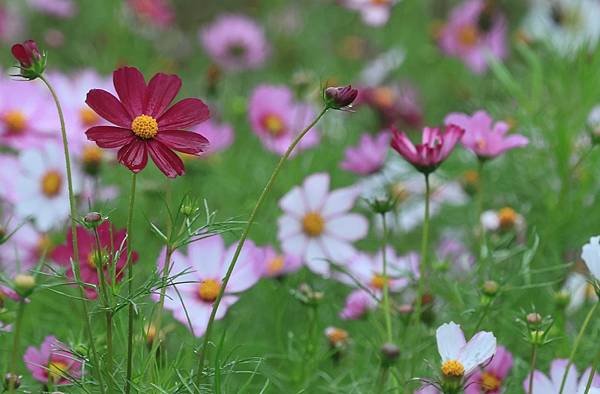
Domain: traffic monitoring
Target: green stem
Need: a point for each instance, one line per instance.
(129, 266)
(15, 348)
(161, 302)
(590, 380)
(386, 295)
(242, 240)
(424, 266)
(383, 375)
(479, 212)
(73, 209)
(586, 322)
(533, 363)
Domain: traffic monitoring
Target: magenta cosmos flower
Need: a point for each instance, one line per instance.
(113, 254)
(235, 42)
(373, 12)
(197, 278)
(436, 146)
(491, 377)
(220, 136)
(473, 32)
(484, 137)
(53, 362)
(145, 124)
(276, 118)
(275, 265)
(317, 225)
(543, 384)
(368, 157)
(358, 304)
(158, 13)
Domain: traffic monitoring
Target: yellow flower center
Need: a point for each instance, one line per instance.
(51, 183)
(15, 121)
(96, 259)
(88, 117)
(468, 35)
(380, 2)
(399, 192)
(453, 368)
(337, 336)
(144, 126)
(208, 290)
(471, 177)
(57, 370)
(313, 224)
(43, 245)
(590, 291)
(379, 281)
(507, 217)
(489, 382)
(275, 265)
(480, 143)
(274, 125)
(91, 155)
(384, 97)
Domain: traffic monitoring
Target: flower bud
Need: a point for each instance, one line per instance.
(490, 288)
(382, 205)
(32, 62)
(537, 337)
(340, 97)
(12, 381)
(534, 319)
(24, 284)
(389, 354)
(562, 298)
(92, 219)
(337, 337)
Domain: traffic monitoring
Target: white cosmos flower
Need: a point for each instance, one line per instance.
(591, 256)
(580, 291)
(459, 357)
(41, 188)
(317, 225)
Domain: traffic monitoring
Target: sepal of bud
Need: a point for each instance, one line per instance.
(339, 97)
(32, 61)
(24, 284)
(389, 354)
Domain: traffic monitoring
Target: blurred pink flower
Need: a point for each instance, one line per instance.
(158, 13)
(317, 225)
(53, 362)
(219, 135)
(7, 177)
(58, 8)
(235, 42)
(274, 264)
(277, 119)
(436, 146)
(452, 251)
(196, 280)
(23, 250)
(27, 115)
(483, 137)
(551, 384)
(11, 23)
(491, 377)
(369, 155)
(473, 32)
(358, 303)
(373, 12)
(395, 104)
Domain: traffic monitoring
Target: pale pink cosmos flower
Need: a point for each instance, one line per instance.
(373, 12)
(27, 115)
(368, 157)
(358, 303)
(317, 225)
(484, 137)
(452, 250)
(59, 8)
(491, 377)
(543, 384)
(435, 147)
(220, 136)
(197, 277)
(7, 177)
(23, 250)
(53, 362)
(11, 22)
(459, 357)
(276, 118)
(157, 13)
(473, 32)
(41, 187)
(235, 42)
(274, 265)
(580, 291)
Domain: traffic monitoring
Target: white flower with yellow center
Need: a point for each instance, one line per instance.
(41, 187)
(459, 357)
(317, 225)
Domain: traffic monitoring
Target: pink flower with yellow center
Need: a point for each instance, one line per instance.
(574, 384)
(368, 156)
(196, 279)
(220, 136)
(53, 362)
(490, 379)
(276, 118)
(317, 225)
(358, 303)
(23, 250)
(275, 265)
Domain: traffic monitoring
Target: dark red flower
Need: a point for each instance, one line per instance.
(145, 124)
(113, 253)
(339, 97)
(31, 61)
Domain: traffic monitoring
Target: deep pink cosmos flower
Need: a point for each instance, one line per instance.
(220, 136)
(59, 8)
(395, 104)
(114, 251)
(368, 156)
(436, 146)
(340, 97)
(53, 362)
(358, 304)
(490, 378)
(145, 124)
(483, 137)
(474, 31)
(32, 61)
(158, 13)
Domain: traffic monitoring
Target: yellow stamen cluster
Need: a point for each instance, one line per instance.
(88, 117)
(384, 97)
(274, 125)
(507, 217)
(490, 382)
(51, 183)
(313, 224)
(91, 155)
(208, 290)
(453, 368)
(468, 35)
(57, 370)
(15, 121)
(379, 281)
(43, 245)
(337, 336)
(144, 126)
(275, 265)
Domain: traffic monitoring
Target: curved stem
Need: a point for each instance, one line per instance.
(590, 380)
(533, 362)
(424, 266)
(15, 348)
(73, 209)
(242, 240)
(129, 266)
(386, 290)
(586, 322)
